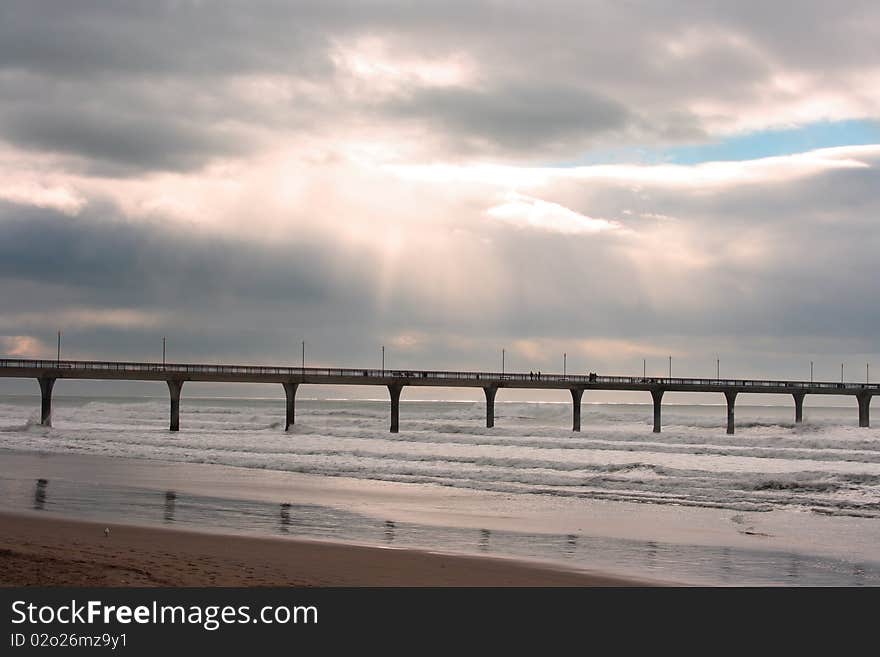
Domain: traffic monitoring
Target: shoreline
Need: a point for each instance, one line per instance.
(42, 550)
(621, 540)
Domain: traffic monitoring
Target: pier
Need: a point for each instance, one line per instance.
(47, 372)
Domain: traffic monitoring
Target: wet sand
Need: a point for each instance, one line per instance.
(41, 550)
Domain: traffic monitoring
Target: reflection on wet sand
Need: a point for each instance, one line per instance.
(726, 567)
(40, 494)
(170, 501)
(651, 553)
(389, 531)
(858, 576)
(717, 565)
(793, 568)
(484, 539)
(285, 518)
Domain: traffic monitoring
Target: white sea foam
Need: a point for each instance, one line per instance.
(827, 464)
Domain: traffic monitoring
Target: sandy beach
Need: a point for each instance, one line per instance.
(41, 550)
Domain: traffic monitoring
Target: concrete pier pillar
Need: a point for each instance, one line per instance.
(395, 389)
(864, 399)
(731, 400)
(174, 388)
(576, 394)
(490, 405)
(46, 385)
(290, 394)
(658, 398)
(799, 406)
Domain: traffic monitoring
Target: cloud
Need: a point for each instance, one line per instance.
(410, 257)
(30, 192)
(20, 346)
(525, 212)
(102, 257)
(117, 144)
(246, 175)
(127, 89)
(520, 117)
(704, 175)
(87, 318)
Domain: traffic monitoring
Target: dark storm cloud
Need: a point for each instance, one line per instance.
(127, 87)
(87, 39)
(106, 261)
(116, 144)
(549, 77)
(517, 116)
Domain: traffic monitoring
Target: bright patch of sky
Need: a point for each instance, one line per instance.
(779, 142)
(755, 145)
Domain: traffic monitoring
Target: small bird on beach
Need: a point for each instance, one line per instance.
(106, 532)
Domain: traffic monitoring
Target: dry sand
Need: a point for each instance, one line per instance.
(42, 550)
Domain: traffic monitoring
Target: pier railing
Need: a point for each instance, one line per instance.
(433, 375)
(175, 374)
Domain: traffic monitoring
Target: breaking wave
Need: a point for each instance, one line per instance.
(826, 465)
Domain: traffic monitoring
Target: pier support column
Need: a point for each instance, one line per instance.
(174, 388)
(576, 395)
(864, 400)
(490, 405)
(46, 385)
(290, 393)
(395, 389)
(658, 398)
(799, 406)
(731, 400)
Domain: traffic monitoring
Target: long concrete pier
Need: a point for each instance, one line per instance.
(47, 372)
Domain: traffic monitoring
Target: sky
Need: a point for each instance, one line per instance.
(619, 182)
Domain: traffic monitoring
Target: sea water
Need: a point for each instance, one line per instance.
(776, 503)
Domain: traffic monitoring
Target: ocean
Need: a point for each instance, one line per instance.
(775, 504)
